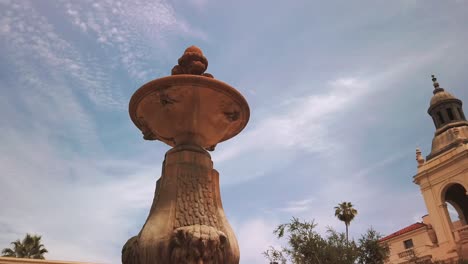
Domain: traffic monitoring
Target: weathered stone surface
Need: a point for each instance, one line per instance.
(195, 200)
(198, 244)
(187, 217)
(192, 112)
(188, 109)
(130, 251)
(463, 245)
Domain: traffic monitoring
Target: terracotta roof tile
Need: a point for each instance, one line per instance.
(404, 231)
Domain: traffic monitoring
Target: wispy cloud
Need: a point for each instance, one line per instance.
(306, 123)
(81, 198)
(30, 37)
(87, 179)
(386, 161)
(311, 125)
(137, 29)
(255, 236)
(80, 215)
(301, 125)
(297, 206)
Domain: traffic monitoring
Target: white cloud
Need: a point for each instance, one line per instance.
(301, 125)
(80, 216)
(385, 161)
(83, 208)
(32, 38)
(299, 206)
(137, 29)
(86, 207)
(306, 123)
(254, 237)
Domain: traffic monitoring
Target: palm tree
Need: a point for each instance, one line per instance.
(30, 247)
(346, 213)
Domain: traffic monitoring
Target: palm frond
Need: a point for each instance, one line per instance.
(29, 247)
(8, 252)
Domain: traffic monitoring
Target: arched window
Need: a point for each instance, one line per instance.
(441, 118)
(455, 196)
(435, 121)
(450, 114)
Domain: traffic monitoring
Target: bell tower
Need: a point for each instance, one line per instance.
(443, 175)
(447, 113)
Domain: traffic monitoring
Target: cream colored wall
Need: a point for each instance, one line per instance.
(456, 224)
(434, 177)
(421, 245)
(426, 220)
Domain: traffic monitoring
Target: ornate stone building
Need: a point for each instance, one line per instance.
(443, 180)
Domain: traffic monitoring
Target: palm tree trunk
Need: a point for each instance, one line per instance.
(347, 241)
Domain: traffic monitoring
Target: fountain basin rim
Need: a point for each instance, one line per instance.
(167, 82)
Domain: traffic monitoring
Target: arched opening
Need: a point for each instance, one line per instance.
(454, 214)
(457, 204)
(441, 118)
(436, 123)
(450, 114)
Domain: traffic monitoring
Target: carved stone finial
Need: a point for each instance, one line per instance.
(419, 157)
(436, 85)
(192, 62)
(434, 80)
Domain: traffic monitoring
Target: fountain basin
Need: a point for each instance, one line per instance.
(189, 109)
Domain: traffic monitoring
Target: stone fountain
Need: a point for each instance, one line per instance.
(192, 112)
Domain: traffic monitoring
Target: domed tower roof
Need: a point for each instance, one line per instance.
(450, 122)
(440, 95)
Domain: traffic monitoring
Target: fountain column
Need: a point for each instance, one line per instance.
(192, 112)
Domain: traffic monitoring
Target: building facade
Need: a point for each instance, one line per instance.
(443, 180)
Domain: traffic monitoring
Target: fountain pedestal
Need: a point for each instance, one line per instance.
(192, 112)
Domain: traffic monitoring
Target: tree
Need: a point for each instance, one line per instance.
(274, 256)
(30, 247)
(306, 246)
(346, 213)
(370, 250)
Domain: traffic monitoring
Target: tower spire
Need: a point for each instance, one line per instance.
(436, 85)
(447, 113)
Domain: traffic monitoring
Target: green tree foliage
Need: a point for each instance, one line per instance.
(306, 246)
(30, 247)
(345, 213)
(274, 256)
(370, 250)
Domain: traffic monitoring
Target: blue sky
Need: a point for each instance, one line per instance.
(338, 92)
